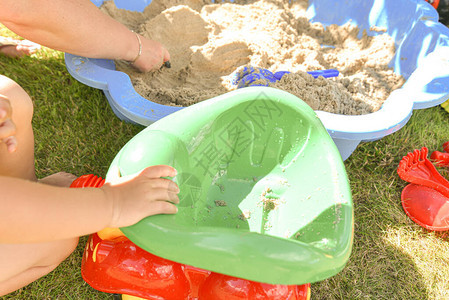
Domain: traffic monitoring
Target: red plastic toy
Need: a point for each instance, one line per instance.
(426, 199)
(116, 265)
(441, 159)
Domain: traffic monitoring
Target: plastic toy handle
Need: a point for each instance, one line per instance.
(446, 147)
(278, 75)
(250, 76)
(89, 180)
(325, 73)
(441, 159)
(416, 168)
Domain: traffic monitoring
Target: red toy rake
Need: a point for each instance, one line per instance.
(426, 199)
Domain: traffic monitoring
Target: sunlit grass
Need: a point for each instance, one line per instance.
(392, 258)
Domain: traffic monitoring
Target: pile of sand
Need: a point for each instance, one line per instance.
(208, 42)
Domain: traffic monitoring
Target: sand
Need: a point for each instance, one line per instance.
(209, 42)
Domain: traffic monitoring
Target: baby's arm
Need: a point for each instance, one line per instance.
(34, 212)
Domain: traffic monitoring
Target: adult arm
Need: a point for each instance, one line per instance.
(80, 28)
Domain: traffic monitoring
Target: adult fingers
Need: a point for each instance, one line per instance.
(166, 55)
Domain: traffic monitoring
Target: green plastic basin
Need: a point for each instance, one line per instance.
(264, 192)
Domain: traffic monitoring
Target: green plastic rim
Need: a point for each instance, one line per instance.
(264, 192)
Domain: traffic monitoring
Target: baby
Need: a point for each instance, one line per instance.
(41, 220)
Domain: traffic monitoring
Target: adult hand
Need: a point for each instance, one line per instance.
(7, 126)
(138, 196)
(152, 57)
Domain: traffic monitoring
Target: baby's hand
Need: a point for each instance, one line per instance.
(142, 195)
(7, 126)
(153, 56)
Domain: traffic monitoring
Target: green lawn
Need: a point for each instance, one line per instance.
(392, 258)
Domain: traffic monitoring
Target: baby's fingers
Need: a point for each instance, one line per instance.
(7, 132)
(162, 183)
(162, 207)
(7, 129)
(162, 194)
(11, 144)
(159, 171)
(5, 109)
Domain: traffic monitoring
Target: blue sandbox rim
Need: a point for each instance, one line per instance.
(422, 57)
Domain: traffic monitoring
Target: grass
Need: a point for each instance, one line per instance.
(392, 258)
